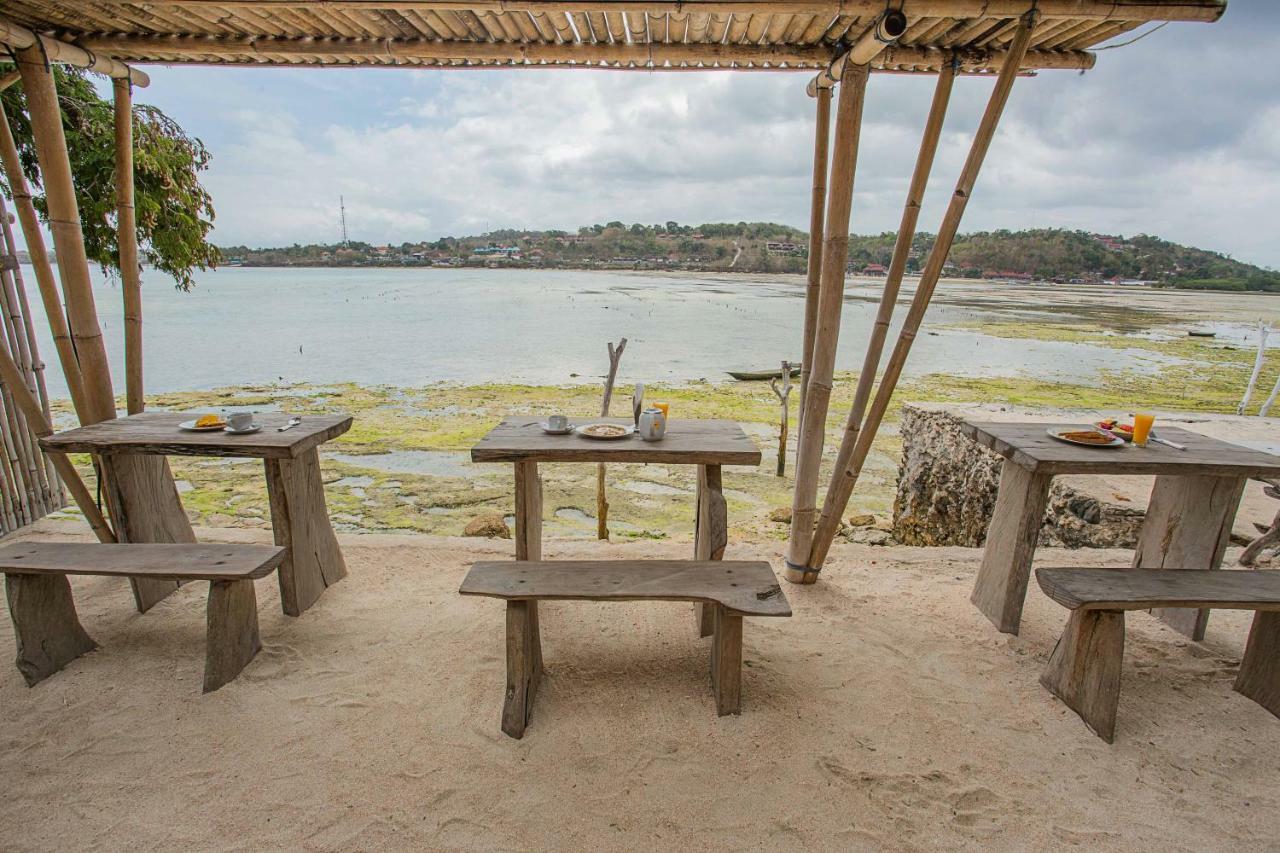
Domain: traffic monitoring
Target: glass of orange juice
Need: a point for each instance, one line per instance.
(1142, 422)
(664, 407)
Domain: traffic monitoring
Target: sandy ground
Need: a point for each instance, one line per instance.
(887, 714)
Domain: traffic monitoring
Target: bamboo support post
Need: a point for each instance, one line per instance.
(1264, 331)
(45, 280)
(602, 500)
(835, 502)
(64, 223)
(817, 213)
(821, 360)
(783, 394)
(11, 375)
(127, 238)
(848, 476)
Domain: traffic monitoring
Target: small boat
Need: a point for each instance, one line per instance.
(758, 375)
(1196, 333)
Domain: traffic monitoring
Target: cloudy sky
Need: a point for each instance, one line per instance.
(1177, 135)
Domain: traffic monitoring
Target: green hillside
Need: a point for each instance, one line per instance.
(762, 247)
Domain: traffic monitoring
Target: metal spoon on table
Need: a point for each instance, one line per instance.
(293, 422)
(1158, 440)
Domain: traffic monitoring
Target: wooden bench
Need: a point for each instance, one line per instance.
(48, 632)
(1084, 670)
(733, 589)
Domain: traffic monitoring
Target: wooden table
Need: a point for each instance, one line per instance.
(1187, 525)
(299, 518)
(709, 444)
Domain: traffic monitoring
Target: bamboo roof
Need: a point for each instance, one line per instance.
(796, 35)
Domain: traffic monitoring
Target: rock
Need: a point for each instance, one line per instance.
(782, 515)
(1264, 559)
(947, 487)
(862, 519)
(870, 536)
(492, 526)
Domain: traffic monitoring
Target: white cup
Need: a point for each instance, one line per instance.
(558, 422)
(239, 421)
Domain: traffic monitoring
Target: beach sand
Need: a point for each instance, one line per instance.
(887, 714)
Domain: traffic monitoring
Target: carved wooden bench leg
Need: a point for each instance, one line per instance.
(232, 634)
(524, 666)
(300, 521)
(1001, 586)
(1259, 677)
(46, 629)
(726, 660)
(1084, 669)
(711, 534)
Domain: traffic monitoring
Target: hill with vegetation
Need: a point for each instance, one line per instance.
(761, 247)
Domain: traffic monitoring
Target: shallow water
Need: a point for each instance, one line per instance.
(411, 327)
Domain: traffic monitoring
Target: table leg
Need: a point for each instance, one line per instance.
(712, 533)
(145, 507)
(1187, 526)
(529, 543)
(1001, 587)
(300, 520)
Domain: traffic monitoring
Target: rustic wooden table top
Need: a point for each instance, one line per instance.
(158, 433)
(688, 442)
(1029, 445)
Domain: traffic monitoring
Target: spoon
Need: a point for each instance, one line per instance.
(293, 422)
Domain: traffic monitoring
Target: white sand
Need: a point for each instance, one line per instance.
(886, 714)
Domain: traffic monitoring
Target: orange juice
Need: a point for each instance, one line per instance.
(664, 407)
(1142, 428)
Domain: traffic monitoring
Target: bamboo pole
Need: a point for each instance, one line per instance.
(1136, 10)
(19, 37)
(8, 78)
(64, 222)
(28, 455)
(833, 505)
(835, 253)
(817, 212)
(45, 280)
(848, 475)
(33, 366)
(602, 500)
(1271, 399)
(12, 378)
(127, 238)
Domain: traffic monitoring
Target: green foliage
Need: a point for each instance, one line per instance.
(174, 212)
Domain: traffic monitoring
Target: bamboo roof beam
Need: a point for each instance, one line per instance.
(845, 478)
(18, 38)
(883, 30)
(1138, 10)
(259, 50)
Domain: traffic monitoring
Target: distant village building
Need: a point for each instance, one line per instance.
(875, 269)
(504, 251)
(778, 247)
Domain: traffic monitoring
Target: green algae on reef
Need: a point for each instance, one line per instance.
(646, 501)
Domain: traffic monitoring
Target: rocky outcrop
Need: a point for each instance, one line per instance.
(947, 488)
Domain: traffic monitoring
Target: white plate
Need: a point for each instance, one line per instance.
(630, 430)
(190, 426)
(1053, 433)
(249, 431)
(549, 431)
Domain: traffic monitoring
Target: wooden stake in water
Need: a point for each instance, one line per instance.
(782, 394)
(1264, 329)
(602, 503)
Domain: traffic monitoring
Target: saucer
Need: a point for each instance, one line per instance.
(249, 431)
(549, 431)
